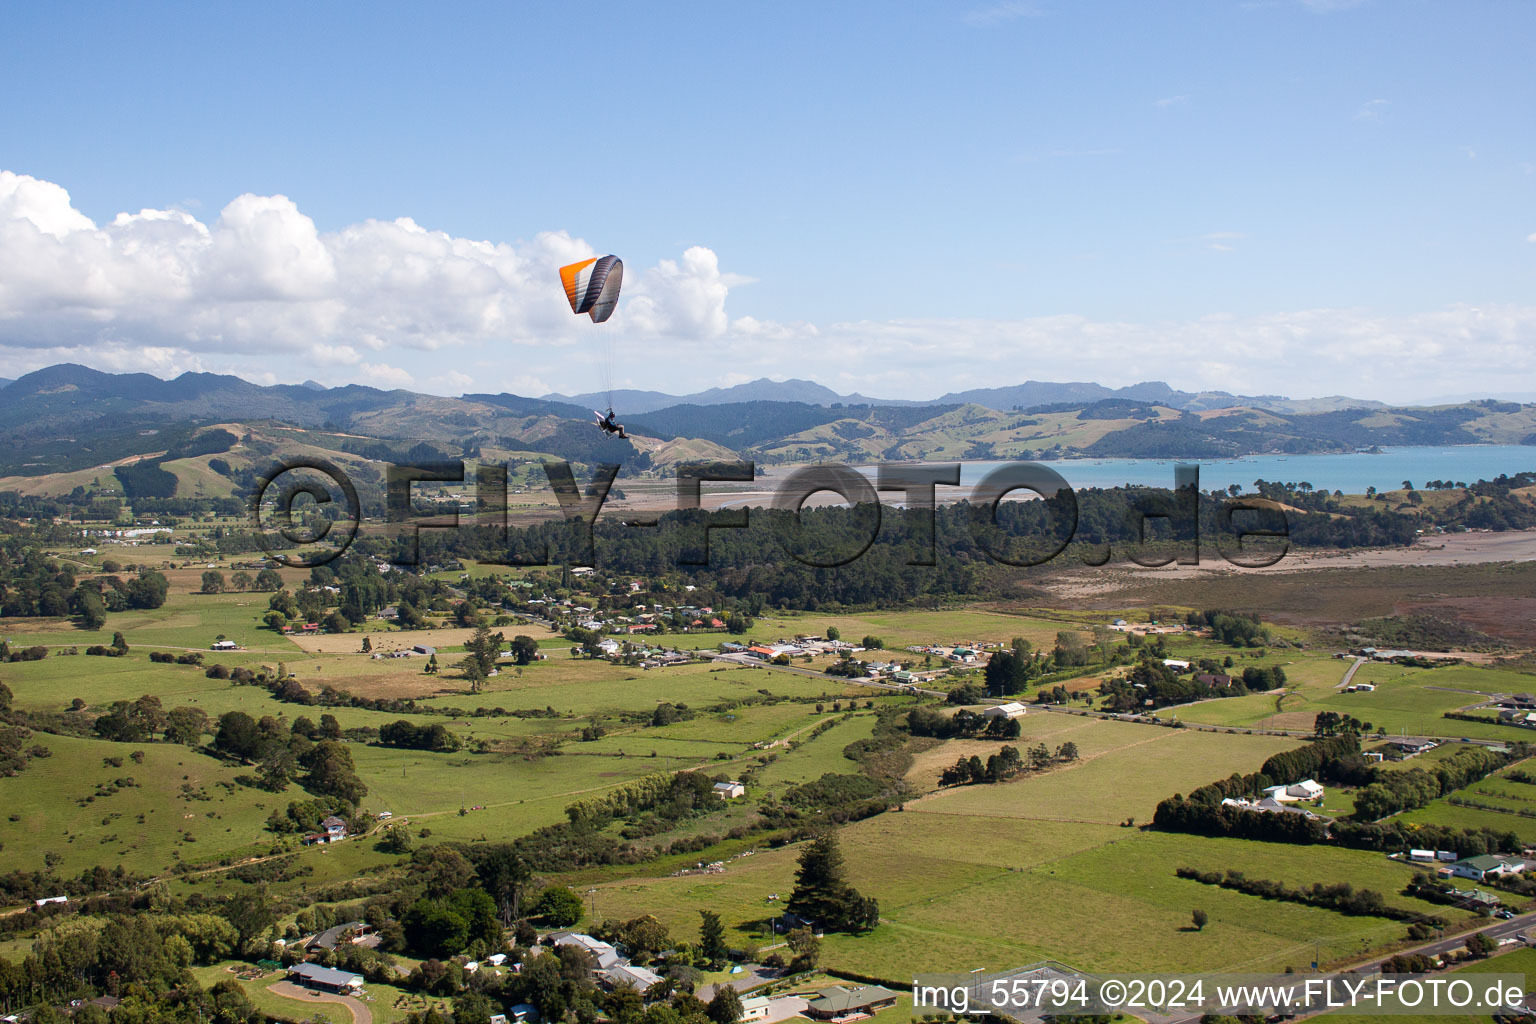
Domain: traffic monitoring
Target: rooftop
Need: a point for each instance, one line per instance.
(838, 999)
(326, 975)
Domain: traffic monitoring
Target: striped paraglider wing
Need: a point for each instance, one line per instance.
(592, 286)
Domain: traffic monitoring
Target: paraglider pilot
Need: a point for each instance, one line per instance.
(609, 425)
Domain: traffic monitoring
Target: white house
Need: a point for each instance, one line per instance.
(224, 645)
(1421, 854)
(1013, 709)
(729, 790)
(1306, 789)
(1488, 865)
(755, 1008)
(1177, 664)
(50, 899)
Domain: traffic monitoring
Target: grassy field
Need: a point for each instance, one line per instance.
(900, 628)
(54, 812)
(997, 876)
(182, 805)
(1505, 807)
(985, 876)
(1406, 700)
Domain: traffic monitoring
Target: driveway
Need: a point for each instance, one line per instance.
(784, 1008)
(360, 1013)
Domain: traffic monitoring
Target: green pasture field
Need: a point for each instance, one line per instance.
(999, 876)
(816, 756)
(504, 794)
(50, 685)
(585, 687)
(901, 628)
(315, 866)
(43, 813)
(1495, 791)
(1124, 769)
(184, 622)
(1406, 700)
(513, 796)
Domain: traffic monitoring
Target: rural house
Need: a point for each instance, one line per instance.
(326, 979)
(842, 1004)
(1488, 865)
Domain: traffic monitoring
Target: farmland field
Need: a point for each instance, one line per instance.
(1406, 700)
(959, 872)
(1057, 864)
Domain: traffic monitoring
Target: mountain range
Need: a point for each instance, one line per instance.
(1018, 396)
(62, 427)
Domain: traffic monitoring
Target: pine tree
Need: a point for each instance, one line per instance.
(712, 948)
(822, 893)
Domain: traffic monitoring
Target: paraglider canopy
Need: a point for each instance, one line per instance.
(593, 286)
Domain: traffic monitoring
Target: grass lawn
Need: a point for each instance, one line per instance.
(389, 1004)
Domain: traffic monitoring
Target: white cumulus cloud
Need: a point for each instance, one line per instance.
(260, 291)
(261, 280)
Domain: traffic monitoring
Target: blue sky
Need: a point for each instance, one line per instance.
(1306, 198)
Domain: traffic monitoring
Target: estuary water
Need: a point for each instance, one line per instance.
(1350, 472)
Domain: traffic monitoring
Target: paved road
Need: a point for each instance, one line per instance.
(1351, 673)
(287, 989)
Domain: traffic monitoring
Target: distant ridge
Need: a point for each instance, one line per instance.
(68, 417)
(1017, 396)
